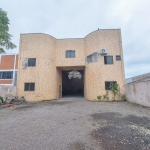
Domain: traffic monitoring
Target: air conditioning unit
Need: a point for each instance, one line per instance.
(25, 64)
(103, 51)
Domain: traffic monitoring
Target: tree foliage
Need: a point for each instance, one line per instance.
(114, 87)
(5, 37)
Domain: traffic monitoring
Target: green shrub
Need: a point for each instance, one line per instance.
(123, 97)
(1, 100)
(99, 97)
(105, 96)
(114, 87)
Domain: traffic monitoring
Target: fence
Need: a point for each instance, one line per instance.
(138, 92)
(7, 91)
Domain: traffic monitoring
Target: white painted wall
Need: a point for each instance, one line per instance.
(138, 92)
(7, 91)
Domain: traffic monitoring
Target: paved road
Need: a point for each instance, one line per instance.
(75, 124)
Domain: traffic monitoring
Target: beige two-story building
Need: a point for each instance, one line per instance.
(50, 68)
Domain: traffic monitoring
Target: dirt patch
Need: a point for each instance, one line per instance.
(7, 105)
(122, 132)
(24, 107)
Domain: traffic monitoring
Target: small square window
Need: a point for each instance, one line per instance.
(70, 54)
(107, 84)
(118, 57)
(108, 59)
(31, 62)
(29, 87)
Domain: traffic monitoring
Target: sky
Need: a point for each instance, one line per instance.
(77, 18)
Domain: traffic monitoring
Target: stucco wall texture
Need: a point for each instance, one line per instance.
(51, 60)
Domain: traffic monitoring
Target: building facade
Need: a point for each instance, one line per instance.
(8, 69)
(45, 62)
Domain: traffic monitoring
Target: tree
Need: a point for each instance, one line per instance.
(5, 37)
(114, 87)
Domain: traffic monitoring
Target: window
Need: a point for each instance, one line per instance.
(6, 75)
(107, 84)
(93, 57)
(70, 54)
(29, 87)
(31, 62)
(89, 59)
(108, 59)
(118, 57)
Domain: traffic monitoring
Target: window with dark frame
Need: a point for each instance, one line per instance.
(29, 87)
(107, 84)
(31, 62)
(108, 59)
(6, 75)
(118, 57)
(70, 54)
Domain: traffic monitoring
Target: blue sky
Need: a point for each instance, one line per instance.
(77, 18)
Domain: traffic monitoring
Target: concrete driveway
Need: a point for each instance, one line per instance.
(75, 124)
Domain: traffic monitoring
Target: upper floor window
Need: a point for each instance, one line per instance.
(108, 59)
(118, 57)
(70, 54)
(29, 87)
(6, 75)
(31, 62)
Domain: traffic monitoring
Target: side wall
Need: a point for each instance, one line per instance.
(41, 47)
(138, 92)
(97, 73)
